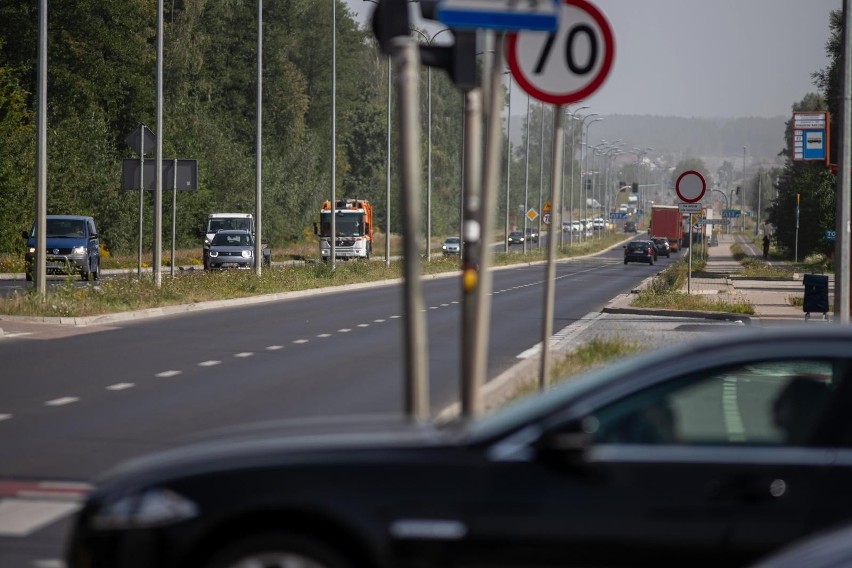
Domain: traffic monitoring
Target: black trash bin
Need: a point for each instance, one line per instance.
(816, 294)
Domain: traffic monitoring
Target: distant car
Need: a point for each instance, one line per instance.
(639, 251)
(231, 249)
(630, 227)
(662, 245)
(701, 454)
(516, 238)
(451, 246)
(532, 235)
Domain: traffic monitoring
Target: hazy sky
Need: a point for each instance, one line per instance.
(707, 58)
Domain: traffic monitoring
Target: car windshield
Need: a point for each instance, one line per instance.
(232, 239)
(637, 245)
(452, 241)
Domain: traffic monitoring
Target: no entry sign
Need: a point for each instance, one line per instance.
(690, 186)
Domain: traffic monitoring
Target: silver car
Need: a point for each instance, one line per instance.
(231, 249)
(451, 246)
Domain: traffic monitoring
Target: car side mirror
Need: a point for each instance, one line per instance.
(566, 446)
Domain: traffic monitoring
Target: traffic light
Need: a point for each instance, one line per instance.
(635, 187)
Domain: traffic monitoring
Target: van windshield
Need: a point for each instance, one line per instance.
(70, 228)
(228, 224)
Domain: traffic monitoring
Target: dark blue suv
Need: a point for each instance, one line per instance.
(72, 246)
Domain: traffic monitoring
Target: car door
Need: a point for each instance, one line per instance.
(697, 470)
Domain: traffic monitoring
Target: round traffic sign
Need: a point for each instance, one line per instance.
(566, 66)
(690, 186)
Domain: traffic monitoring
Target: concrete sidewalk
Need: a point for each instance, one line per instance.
(770, 297)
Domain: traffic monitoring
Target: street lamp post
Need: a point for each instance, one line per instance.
(586, 163)
(508, 170)
(527, 175)
(742, 193)
(388, 164)
(429, 40)
(573, 116)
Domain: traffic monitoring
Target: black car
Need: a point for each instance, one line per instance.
(710, 454)
(640, 251)
(515, 238)
(662, 246)
(630, 227)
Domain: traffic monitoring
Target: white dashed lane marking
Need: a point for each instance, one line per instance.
(363, 325)
(323, 335)
(274, 347)
(210, 363)
(167, 374)
(244, 354)
(62, 401)
(344, 330)
(300, 341)
(120, 386)
(5, 417)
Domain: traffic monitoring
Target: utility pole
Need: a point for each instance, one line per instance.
(842, 243)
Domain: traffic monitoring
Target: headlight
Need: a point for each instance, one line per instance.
(154, 507)
(206, 242)
(214, 253)
(246, 254)
(78, 250)
(31, 250)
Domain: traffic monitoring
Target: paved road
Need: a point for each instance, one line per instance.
(74, 401)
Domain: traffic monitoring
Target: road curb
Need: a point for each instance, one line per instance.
(725, 316)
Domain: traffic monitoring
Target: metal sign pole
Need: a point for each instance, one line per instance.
(689, 269)
(174, 219)
(141, 199)
(472, 249)
(550, 280)
(491, 173)
(407, 58)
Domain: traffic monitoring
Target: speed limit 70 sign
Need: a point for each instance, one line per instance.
(568, 65)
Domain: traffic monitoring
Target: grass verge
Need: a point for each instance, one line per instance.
(68, 299)
(594, 353)
(664, 292)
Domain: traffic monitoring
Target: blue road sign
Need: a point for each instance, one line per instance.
(730, 213)
(830, 235)
(618, 215)
(509, 15)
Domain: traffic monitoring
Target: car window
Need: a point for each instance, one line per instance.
(636, 245)
(770, 403)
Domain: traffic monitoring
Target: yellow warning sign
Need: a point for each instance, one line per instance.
(546, 207)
